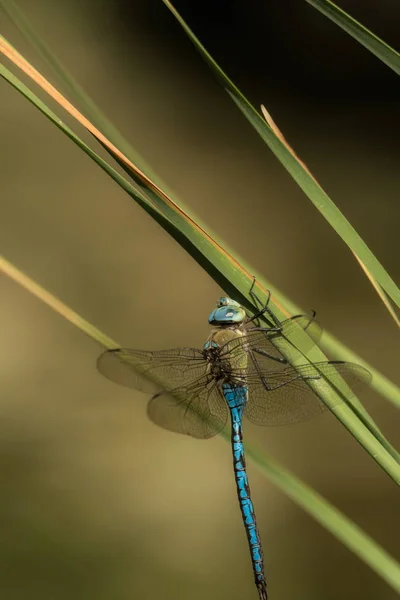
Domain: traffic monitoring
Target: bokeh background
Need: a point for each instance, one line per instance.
(97, 502)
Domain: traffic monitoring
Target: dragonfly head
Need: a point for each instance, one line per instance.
(228, 312)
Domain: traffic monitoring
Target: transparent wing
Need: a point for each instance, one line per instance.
(265, 340)
(283, 397)
(197, 409)
(151, 372)
(308, 324)
(186, 398)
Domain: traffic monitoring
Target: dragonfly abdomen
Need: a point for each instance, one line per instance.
(236, 398)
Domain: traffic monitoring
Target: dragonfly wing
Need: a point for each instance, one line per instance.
(268, 342)
(284, 397)
(307, 324)
(151, 372)
(186, 397)
(197, 409)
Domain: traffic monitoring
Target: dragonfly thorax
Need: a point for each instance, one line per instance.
(220, 368)
(225, 364)
(228, 312)
(217, 369)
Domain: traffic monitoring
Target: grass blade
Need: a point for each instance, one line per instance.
(75, 90)
(59, 307)
(319, 508)
(364, 36)
(106, 126)
(337, 349)
(223, 266)
(374, 284)
(300, 174)
(331, 518)
(380, 293)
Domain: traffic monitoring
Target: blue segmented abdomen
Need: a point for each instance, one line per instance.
(236, 398)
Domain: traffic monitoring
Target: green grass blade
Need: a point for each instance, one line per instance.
(227, 271)
(55, 303)
(380, 383)
(331, 518)
(133, 190)
(76, 92)
(92, 110)
(138, 193)
(369, 40)
(106, 127)
(299, 173)
(319, 508)
(337, 349)
(382, 295)
(356, 406)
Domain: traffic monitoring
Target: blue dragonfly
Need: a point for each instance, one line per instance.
(239, 372)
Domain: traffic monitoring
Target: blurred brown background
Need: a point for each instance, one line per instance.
(97, 502)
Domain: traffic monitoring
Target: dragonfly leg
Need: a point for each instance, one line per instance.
(296, 378)
(265, 308)
(312, 318)
(266, 329)
(264, 353)
(256, 299)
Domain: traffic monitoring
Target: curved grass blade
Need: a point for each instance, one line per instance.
(222, 258)
(99, 119)
(374, 284)
(331, 518)
(364, 36)
(75, 90)
(59, 307)
(160, 199)
(225, 269)
(107, 127)
(319, 508)
(380, 383)
(339, 351)
(296, 169)
(381, 294)
(137, 176)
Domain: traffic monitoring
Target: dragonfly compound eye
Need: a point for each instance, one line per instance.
(227, 302)
(222, 302)
(227, 315)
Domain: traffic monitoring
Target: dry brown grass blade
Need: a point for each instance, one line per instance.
(18, 60)
(383, 296)
(380, 292)
(280, 135)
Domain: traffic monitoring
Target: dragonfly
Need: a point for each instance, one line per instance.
(241, 371)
